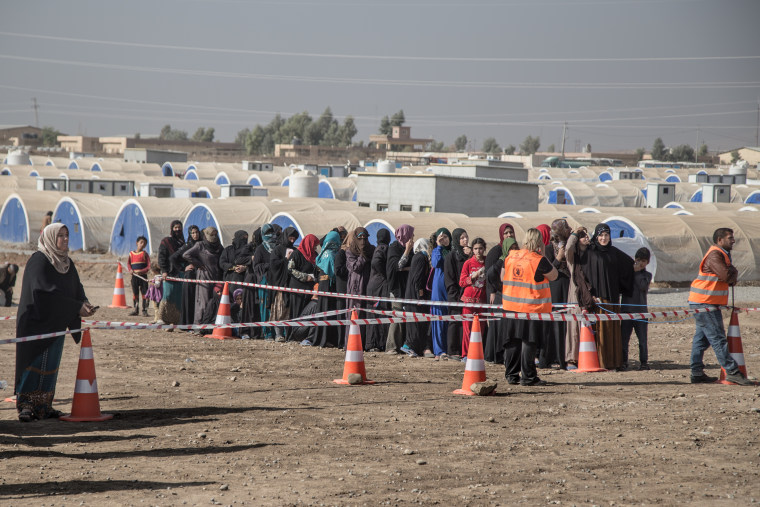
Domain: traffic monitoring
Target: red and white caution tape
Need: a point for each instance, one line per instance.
(39, 336)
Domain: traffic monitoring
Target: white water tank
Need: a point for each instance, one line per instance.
(386, 166)
(303, 184)
(18, 157)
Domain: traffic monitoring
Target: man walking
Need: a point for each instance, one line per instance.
(710, 290)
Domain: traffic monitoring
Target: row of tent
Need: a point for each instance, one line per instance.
(101, 224)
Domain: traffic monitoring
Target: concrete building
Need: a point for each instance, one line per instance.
(476, 190)
(400, 136)
(80, 144)
(749, 153)
(146, 156)
(20, 135)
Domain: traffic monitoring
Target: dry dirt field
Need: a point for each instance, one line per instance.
(260, 423)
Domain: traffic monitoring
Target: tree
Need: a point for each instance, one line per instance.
(640, 153)
(735, 157)
(254, 141)
(460, 143)
(491, 146)
(348, 131)
(658, 149)
(50, 136)
(550, 149)
(398, 119)
(385, 126)
(510, 150)
(242, 136)
(436, 146)
(530, 145)
(170, 134)
(703, 150)
(682, 153)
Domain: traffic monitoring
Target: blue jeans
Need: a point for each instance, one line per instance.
(710, 333)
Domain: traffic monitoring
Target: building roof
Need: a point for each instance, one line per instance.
(753, 148)
(431, 175)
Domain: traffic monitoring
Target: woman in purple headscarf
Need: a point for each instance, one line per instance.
(397, 271)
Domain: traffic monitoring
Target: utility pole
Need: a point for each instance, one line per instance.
(696, 147)
(564, 131)
(35, 107)
(757, 125)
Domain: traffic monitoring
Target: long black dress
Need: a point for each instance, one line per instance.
(553, 347)
(341, 285)
(396, 280)
(493, 286)
(187, 312)
(328, 336)
(378, 287)
(297, 302)
(237, 254)
(416, 332)
(259, 274)
(452, 270)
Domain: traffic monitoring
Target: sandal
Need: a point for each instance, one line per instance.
(26, 415)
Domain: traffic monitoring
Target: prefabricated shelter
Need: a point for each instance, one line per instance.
(89, 219)
(317, 224)
(228, 216)
(22, 213)
(716, 192)
(257, 165)
(237, 190)
(660, 194)
(144, 216)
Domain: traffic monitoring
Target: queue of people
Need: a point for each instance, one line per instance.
(443, 267)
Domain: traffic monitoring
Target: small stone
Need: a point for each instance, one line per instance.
(233, 378)
(421, 462)
(175, 384)
(491, 419)
(756, 410)
(224, 487)
(483, 388)
(355, 379)
(201, 435)
(408, 452)
(681, 395)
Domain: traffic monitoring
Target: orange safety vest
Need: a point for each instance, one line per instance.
(707, 288)
(520, 292)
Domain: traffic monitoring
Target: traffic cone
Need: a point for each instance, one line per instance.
(223, 317)
(734, 348)
(475, 367)
(86, 404)
(354, 355)
(119, 299)
(588, 359)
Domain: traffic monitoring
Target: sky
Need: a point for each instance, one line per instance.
(619, 73)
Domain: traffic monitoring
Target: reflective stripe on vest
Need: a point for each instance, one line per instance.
(520, 292)
(706, 287)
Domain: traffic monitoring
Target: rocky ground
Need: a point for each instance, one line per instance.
(202, 421)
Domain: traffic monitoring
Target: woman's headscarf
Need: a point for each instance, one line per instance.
(383, 237)
(256, 241)
(358, 243)
(308, 247)
(546, 233)
(286, 235)
(211, 240)
(268, 237)
(240, 240)
(422, 245)
(600, 228)
(190, 230)
(445, 250)
(46, 244)
(175, 239)
(503, 230)
(404, 233)
(326, 258)
(455, 246)
(506, 246)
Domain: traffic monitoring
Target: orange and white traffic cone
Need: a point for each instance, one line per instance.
(223, 316)
(588, 358)
(119, 299)
(86, 404)
(734, 348)
(475, 367)
(354, 355)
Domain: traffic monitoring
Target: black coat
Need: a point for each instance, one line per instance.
(396, 279)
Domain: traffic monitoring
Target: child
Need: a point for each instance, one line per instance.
(637, 303)
(155, 290)
(473, 280)
(139, 264)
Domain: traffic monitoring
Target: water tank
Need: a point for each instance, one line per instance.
(18, 157)
(303, 184)
(386, 166)
(739, 168)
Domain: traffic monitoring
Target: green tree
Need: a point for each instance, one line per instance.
(682, 153)
(491, 146)
(385, 126)
(50, 136)
(658, 149)
(170, 134)
(550, 149)
(398, 119)
(703, 150)
(347, 131)
(510, 150)
(460, 143)
(530, 145)
(436, 146)
(241, 137)
(640, 153)
(254, 141)
(735, 157)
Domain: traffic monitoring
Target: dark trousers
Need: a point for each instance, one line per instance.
(138, 284)
(520, 358)
(454, 334)
(642, 329)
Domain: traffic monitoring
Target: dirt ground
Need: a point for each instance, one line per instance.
(253, 422)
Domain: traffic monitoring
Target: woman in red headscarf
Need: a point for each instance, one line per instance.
(302, 273)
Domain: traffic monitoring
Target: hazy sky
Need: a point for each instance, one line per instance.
(619, 72)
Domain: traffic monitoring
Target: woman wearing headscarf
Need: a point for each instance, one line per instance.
(358, 263)
(493, 351)
(171, 301)
(186, 270)
(249, 309)
(609, 271)
(546, 233)
(553, 351)
(396, 273)
(52, 299)
(280, 277)
(260, 267)
(416, 332)
(473, 283)
(526, 276)
(442, 241)
(326, 276)
(578, 292)
(235, 259)
(378, 287)
(302, 273)
(452, 272)
(204, 256)
(493, 286)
